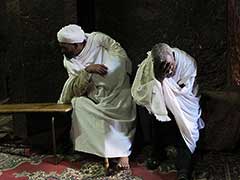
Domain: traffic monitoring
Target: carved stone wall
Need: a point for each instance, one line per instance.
(198, 27)
(33, 63)
(233, 41)
(3, 50)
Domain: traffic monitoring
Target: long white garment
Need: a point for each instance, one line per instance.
(182, 102)
(102, 120)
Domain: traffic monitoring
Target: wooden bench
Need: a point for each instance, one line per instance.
(52, 108)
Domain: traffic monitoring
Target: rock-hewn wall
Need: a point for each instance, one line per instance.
(233, 42)
(3, 49)
(32, 59)
(198, 27)
(34, 64)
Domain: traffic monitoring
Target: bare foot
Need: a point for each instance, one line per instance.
(123, 163)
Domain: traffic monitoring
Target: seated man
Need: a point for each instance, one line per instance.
(99, 90)
(165, 85)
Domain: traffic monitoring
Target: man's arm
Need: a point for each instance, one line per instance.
(110, 44)
(100, 69)
(75, 86)
(114, 48)
(81, 83)
(187, 69)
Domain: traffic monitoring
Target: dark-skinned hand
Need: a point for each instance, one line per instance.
(161, 70)
(100, 69)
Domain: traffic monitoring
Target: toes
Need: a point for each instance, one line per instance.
(123, 166)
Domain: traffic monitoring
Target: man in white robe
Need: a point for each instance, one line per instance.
(165, 85)
(98, 87)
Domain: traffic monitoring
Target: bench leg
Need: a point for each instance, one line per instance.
(54, 140)
(57, 159)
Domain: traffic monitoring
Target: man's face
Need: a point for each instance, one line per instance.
(165, 68)
(69, 50)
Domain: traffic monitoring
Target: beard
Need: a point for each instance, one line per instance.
(69, 55)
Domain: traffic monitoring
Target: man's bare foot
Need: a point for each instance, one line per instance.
(123, 163)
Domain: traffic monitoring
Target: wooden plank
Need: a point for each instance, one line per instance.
(35, 107)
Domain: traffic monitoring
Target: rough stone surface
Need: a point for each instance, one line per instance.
(198, 27)
(33, 63)
(3, 49)
(233, 42)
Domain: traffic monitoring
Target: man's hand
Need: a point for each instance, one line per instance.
(172, 70)
(100, 69)
(161, 70)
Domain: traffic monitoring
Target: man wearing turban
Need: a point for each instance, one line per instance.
(98, 89)
(165, 86)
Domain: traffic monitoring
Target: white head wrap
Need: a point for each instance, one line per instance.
(71, 34)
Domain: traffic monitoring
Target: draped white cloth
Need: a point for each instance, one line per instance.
(182, 102)
(103, 118)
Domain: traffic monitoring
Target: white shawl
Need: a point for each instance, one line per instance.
(103, 109)
(182, 102)
(93, 53)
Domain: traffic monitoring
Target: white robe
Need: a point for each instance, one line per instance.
(182, 102)
(102, 119)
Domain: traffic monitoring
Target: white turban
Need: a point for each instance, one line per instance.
(71, 34)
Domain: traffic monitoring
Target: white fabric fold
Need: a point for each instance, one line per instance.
(102, 120)
(182, 102)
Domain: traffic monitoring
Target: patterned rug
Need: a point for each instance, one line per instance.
(72, 167)
(207, 165)
(38, 167)
(217, 166)
(30, 166)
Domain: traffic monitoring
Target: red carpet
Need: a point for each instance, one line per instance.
(36, 167)
(76, 166)
(141, 171)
